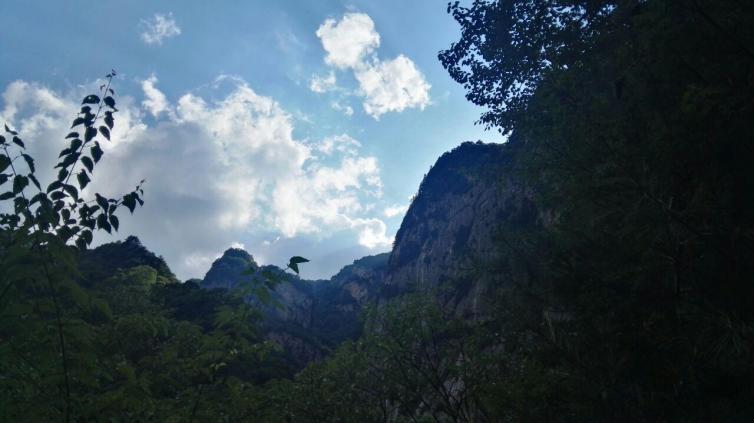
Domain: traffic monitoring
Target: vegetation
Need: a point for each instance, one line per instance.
(630, 121)
(629, 299)
(108, 334)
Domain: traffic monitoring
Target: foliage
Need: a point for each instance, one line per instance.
(119, 340)
(628, 295)
(630, 300)
(638, 295)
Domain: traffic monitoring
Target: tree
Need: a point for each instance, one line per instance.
(508, 47)
(632, 130)
(38, 264)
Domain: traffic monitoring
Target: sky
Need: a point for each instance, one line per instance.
(284, 128)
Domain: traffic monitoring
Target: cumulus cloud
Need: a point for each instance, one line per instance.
(321, 84)
(158, 28)
(155, 101)
(393, 86)
(386, 85)
(216, 170)
(348, 41)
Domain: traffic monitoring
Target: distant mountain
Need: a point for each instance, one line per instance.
(104, 261)
(446, 243)
(227, 270)
(310, 317)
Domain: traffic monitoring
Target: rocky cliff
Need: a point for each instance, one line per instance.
(453, 232)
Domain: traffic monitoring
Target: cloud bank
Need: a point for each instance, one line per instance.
(220, 168)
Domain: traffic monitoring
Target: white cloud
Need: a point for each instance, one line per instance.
(155, 101)
(348, 41)
(216, 170)
(347, 110)
(386, 85)
(158, 28)
(393, 86)
(339, 143)
(372, 233)
(395, 210)
(321, 84)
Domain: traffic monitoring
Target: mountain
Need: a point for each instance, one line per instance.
(447, 243)
(307, 318)
(104, 261)
(450, 235)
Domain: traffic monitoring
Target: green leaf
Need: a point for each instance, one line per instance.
(87, 162)
(294, 262)
(3, 178)
(110, 101)
(53, 186)
(109, 121)
(4, 162)
(6, 196)
(78, 121)
(72, 191)
(83, 179)
(87, 236)
(20, 204)
(105, 132)
(10, 130)
(29, 161)
(114, 222)
(96, 152)
(19, 183)
(35, 181)
(72, 135)
(62, 174)
(130, 202)
(38, 198)
(90, 99)
(101, 201)
(68, 160)
(102, 222)
(298, 259)
(57, 195)
(89, 134)
(18, 142)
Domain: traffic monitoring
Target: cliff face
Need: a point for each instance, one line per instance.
(451, 236)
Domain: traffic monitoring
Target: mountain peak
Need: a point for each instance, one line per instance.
(226, 271)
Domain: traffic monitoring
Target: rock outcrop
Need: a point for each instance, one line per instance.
(451, 236)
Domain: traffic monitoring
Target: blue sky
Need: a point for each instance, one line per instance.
(290, 128)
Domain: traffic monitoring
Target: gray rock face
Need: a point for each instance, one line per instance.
(451, 234)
